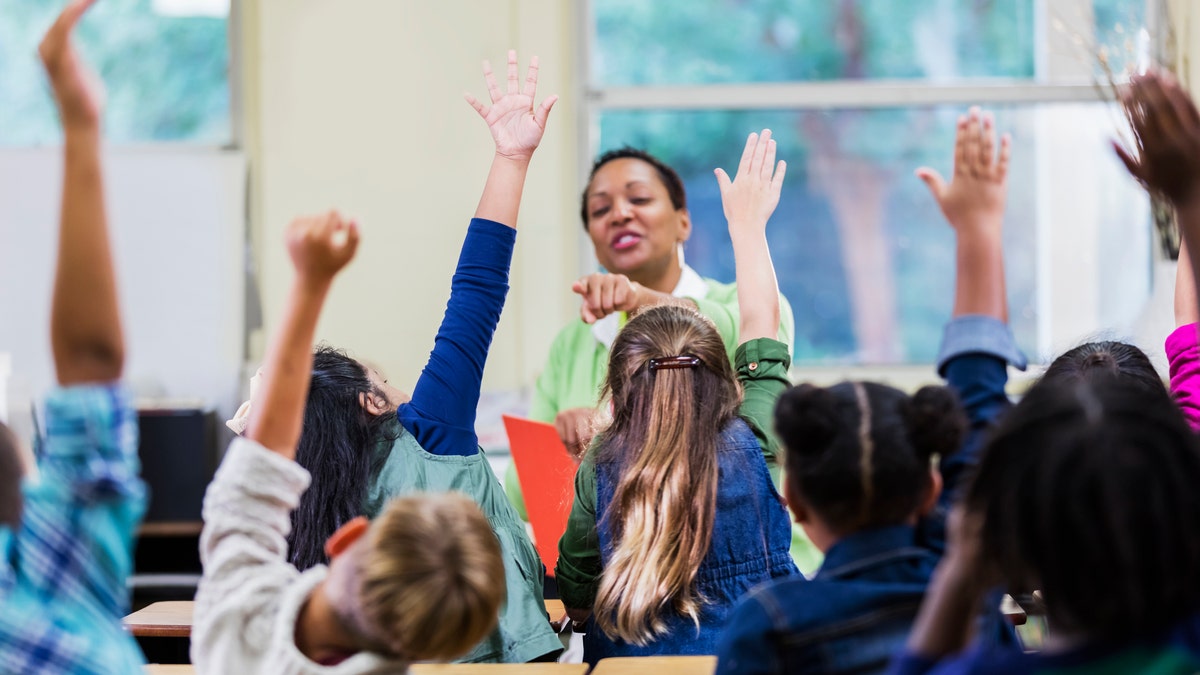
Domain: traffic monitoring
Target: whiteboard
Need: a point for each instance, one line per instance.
(177, 216)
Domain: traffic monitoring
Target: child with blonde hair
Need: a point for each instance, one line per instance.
(419, 583)
(675, 515)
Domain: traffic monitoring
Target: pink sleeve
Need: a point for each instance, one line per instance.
(1183, 354)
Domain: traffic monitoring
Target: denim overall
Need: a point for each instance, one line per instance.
(750, 544)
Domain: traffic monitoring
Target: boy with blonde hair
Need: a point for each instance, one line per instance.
(417, 584)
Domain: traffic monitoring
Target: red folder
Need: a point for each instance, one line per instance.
(547, 476)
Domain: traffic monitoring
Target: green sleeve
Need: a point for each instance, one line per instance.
(578, 568)
(726, 316)
(762, 367)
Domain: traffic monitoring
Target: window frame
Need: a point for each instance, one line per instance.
(1059, 77)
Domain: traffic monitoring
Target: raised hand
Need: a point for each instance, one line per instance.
(974, 198)
(320, 246)
(751, 197)
(77, 90)
(516, 127)
(1166, 130)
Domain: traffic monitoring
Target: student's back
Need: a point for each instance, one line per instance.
(66, 547)
(675, 514)
(860, 478)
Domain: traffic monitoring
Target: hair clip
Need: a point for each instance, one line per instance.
(674, 362)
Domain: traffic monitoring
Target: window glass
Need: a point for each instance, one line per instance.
(861, 249)
(725, 41)
(164, 64)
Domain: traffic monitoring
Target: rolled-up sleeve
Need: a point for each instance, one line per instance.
(762, 368)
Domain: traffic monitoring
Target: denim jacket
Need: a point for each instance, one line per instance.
(856, 612)
(750, 544)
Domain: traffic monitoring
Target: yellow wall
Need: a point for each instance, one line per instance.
(358, 105)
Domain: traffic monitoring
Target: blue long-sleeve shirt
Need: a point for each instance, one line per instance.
(441, 414)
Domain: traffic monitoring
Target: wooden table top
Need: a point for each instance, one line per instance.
(162, 619)
(170, 669)
(174, 619)
(657, 665)
(498, 668)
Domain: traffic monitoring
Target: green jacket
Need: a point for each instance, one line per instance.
(524, 631)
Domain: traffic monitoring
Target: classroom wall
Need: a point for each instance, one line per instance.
(358, 105)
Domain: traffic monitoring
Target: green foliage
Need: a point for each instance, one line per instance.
(716, 41)
(166, 77)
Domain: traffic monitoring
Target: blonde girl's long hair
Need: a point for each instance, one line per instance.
(664, 435)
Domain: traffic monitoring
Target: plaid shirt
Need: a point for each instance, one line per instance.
(63, 571)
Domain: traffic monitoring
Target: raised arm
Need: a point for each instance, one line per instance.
(1166, 160)
(977, 344)
(749, 200)
(85, 321)
(441, 414)
(517, 129)
(973, 203)
(319, 246)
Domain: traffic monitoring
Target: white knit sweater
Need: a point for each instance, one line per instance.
(250, 596)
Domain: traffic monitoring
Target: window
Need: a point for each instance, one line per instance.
(165, 66)
(859, 94)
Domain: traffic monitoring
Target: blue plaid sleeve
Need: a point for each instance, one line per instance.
(81, 514)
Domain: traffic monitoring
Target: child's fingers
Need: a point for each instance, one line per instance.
(760, 152)
(777, 179)
(987, 138)
(971, 149)
(934, 181)
(723, 181)
(747, 153)
(490, 78)
(543, 112)
(960, 146)
(477, 105)
(512, 72)
(1135, 168)
(1002, 160)
(531, 78)
(769, 160)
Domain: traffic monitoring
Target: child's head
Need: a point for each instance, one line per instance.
(1105, 359)
(673, 390)
(424, 581)
(859, 453)
(346, 412)
(1087, 491)
(12, 469)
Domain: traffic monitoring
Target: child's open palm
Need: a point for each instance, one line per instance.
(751, 197)
(974, 197)
(515, 125)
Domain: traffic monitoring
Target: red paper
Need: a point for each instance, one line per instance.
(547, 476)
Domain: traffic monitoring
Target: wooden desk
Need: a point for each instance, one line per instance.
(556, 610)
(657, 665)
(498, 669)
(164, 669)
(174, 619)
(162, 619)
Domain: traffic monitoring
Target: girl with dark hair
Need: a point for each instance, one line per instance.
(860, 474)
(1087, 491)
(365, 442)
(675, 515)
